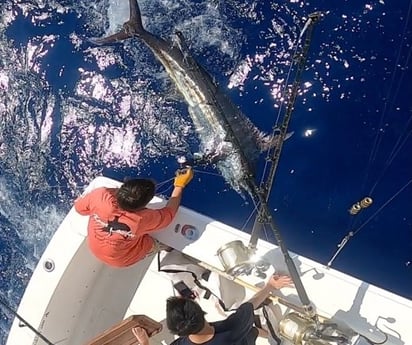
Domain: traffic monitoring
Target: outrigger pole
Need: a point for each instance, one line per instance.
(300, 59)
(262, 193)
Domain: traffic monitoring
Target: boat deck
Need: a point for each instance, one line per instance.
(81, 297)
(156, 287)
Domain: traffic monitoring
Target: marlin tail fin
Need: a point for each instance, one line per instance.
(133, 27)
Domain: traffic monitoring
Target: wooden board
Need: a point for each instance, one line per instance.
(121, 333)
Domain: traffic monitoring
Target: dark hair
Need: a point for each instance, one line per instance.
(184, 316)
(135, 194)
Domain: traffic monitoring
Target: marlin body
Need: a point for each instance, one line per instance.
(227, 138)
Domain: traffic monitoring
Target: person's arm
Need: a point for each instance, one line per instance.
(142, 337)
(175, 199)
(183, 177)
(260, 296)
(275, 282)
(82, 203)
(160, 218)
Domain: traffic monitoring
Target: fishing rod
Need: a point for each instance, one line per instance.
(26, 323)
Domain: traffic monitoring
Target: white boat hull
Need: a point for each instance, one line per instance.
(82, 297)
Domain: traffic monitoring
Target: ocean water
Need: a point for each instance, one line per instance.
(70, 111)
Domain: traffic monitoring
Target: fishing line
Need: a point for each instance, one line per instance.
(394, 153)
(383, 206)
(265, 230)
(378, 137)
(284, 91)
(161, 184)
(256, 204)
(206, 172)
(397, 147)
(354, 232)
(162, 192)
(26, 323)
(402, 138)
(250, 217)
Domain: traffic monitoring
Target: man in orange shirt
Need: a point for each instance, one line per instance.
(119, 222)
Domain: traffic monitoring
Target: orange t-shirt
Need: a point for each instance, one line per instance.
(117, 249)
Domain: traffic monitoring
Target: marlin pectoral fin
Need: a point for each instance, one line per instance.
(266, 142)
(288, 135)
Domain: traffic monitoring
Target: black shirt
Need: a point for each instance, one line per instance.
(237, 329)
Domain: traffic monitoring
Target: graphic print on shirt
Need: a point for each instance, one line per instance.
(114, 226)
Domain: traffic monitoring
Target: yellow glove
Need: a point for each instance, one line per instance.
(183, 177)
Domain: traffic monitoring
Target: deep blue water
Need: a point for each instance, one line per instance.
(70, 112)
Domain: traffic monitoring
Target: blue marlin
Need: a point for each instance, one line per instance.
(227, 137)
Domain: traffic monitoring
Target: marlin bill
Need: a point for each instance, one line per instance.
(227, 137)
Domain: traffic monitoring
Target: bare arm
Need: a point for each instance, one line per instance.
(175, 199)
(275, 282)
(183, 177)
(260, 296)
